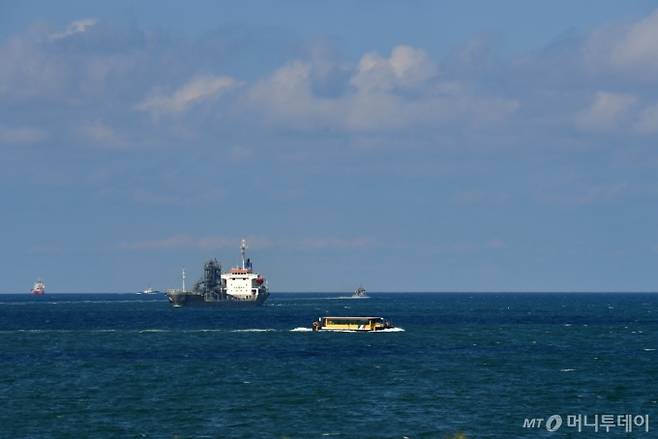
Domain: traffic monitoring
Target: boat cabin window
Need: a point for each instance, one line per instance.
(341, 321)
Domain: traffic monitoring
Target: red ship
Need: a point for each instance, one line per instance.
(39, 288)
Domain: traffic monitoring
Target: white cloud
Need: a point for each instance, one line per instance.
(638, 47)
(196, 90)
(286, 99)
(386, 112)
(629, 50)
(398, 93)
(99, 134)
(607, 111)
(28, 72)
(37, 69)
(75, 27)
(406, 67)
(379, 99)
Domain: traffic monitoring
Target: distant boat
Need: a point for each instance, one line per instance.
(150, 290)
(39, 288)
(360, 293)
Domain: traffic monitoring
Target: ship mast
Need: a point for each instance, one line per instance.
(183, 275)
(243, 247)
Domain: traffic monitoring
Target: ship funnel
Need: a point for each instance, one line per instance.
(243, 248)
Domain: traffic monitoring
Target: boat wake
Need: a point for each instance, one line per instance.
(391, 330)
(253, 330)
(301, 329)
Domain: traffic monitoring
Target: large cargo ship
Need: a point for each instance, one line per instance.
(240, 286)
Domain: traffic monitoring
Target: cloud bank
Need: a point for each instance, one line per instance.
(124, 86)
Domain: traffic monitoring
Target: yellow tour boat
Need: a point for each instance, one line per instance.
(351, 324)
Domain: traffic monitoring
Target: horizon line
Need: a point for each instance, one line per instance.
(387, 292)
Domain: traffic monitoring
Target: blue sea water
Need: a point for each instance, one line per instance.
(127, 365)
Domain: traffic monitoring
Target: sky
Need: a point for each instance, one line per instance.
(402, 146)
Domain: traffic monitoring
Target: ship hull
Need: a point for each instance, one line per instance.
(192, 299)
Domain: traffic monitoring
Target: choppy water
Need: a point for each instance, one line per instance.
(132, 366)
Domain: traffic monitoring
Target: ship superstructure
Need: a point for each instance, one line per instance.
(240, 286)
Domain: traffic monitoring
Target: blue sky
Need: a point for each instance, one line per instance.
(405, 146)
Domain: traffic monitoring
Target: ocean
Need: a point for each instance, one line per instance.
(484, 365)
